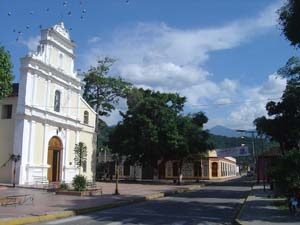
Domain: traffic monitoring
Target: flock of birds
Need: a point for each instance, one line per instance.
(65, 4)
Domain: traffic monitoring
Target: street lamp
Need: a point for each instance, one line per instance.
(252, 132)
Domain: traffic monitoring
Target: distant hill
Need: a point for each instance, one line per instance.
(224, 131)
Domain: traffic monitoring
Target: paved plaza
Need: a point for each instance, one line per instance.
(47, 202)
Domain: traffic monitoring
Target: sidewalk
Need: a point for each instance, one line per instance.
(260, 209)
(46, 203)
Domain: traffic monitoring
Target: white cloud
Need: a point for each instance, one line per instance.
(253, 103)
(165, 58)
(31, 43)
(223, 101)
(94, 40)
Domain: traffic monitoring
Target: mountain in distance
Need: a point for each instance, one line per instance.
(224, 131)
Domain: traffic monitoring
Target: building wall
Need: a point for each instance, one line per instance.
(6, 139)
(226, 168)
(44, 72)
(188, 170)
(196, 170)
(85, 137)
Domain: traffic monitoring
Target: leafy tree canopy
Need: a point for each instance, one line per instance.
(286, 172)
(283, 124)
(101, 90)
(193, 139)
(289, 17)
(153, 129)
(6, 76)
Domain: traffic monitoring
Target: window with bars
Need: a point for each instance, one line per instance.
(86, 117)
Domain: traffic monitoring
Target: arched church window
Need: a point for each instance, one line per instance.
(86, 117)
(57, 101)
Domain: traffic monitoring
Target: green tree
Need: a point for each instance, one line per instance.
(101, 90)
(153, 130)
(6, 76)
(192, 139)
(148, 128)
(289, 17)
(80, 155)
(285, 171)
(283, 125)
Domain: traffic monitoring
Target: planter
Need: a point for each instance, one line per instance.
(91, 192)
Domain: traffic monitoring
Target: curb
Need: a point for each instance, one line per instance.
(36, 219)
(240, 209)
(69, 213)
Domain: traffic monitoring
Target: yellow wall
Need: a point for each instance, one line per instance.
(6, 139)
(39, 144)
(55, 60)
(219, 161)
(40, 89)
(73, 104)
(90, 142)
(92, 116)
(72, 142)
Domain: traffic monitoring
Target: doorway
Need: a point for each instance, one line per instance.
(54, 159)
(214, 169)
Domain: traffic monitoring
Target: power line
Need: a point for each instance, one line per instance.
(233, 103)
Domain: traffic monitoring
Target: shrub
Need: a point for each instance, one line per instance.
(79, 183)
(63, 186)
(285, 171)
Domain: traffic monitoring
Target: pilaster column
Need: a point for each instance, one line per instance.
(31, 143)
(45, 145)
(33, 91)
(47, 95)
(65, 153)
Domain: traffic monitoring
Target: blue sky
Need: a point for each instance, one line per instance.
(222, 55)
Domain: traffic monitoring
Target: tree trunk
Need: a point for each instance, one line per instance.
(180, 173)
(117, 180)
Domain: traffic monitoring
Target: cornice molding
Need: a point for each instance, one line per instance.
(50, 72)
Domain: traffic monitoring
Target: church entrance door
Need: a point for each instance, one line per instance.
(54, 159)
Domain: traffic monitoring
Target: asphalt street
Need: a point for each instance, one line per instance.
(214, 204)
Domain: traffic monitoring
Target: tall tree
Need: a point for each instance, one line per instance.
(283, 125)
(289, 17)
(148, 128)
(193, 139)
(102, 90)
(154, 130)
(6, 76)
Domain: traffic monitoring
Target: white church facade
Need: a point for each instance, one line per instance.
(46, 116)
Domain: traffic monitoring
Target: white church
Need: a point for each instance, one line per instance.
(46, 116)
